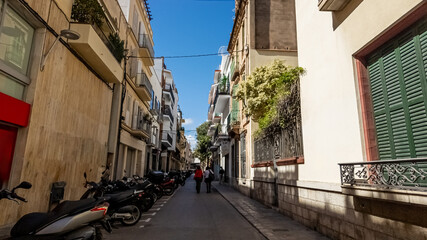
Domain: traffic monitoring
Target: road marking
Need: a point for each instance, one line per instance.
(146, 220)
(142, 226)
(149, 214)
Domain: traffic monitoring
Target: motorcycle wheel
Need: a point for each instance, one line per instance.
(136, 215)
(168, 191)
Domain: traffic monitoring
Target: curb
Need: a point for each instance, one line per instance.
(241, 213)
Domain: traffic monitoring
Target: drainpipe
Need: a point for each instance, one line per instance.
(121, 111)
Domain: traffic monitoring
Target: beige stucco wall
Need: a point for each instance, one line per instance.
(332, 129)
(68, 126)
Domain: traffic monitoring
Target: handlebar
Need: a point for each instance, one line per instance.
(11, 195)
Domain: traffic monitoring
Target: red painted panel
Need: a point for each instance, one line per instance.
(14, 111)
(7, 146)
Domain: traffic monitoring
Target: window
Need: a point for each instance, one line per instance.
(243, 155)
(397, 75)
(16, 39)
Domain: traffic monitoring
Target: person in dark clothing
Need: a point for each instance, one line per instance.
(221, 175)
(198, 176)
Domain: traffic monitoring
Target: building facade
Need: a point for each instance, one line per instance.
(263, 31)
(136, 103)
(361, 173)
(170, 118)
(56, 90)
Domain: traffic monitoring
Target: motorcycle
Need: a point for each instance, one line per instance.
(165, 183)
(126, 204)
(69, 220)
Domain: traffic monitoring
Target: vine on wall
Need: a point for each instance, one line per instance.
(271, 97)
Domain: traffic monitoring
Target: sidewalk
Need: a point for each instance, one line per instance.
(270, 223)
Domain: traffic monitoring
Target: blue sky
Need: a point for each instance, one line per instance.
(190, 27)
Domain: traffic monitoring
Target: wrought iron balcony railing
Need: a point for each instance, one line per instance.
(168, 111)
(402, 174)
(169, 89)
(144, 42)
(222, 89)
(144, 126)
(143, 81)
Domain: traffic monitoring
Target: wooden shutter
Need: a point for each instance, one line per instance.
(397, 73)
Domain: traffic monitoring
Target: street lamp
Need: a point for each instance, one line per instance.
(66, 33)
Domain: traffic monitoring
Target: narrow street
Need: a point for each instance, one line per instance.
(188, 215)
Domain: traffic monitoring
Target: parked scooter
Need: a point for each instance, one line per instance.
(161, 179)
(68, 220)
(126, 204)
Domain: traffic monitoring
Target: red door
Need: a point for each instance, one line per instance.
(7, 146)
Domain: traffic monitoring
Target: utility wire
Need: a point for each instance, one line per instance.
(187, 56)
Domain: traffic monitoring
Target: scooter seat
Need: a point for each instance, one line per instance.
(119, 197)
(29, 223)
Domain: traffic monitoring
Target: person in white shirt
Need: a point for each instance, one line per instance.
(208, 178)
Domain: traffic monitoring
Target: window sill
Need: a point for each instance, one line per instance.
(281, 162)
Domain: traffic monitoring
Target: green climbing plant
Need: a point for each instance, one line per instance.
(87, 11)
(265, 91)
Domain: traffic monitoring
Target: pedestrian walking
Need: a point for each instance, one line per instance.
(198, 176)
(221, 175)
(209, 177)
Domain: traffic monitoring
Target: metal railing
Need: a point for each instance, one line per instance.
(222, 89)
(233, 118)
(168, 88)
(144, 42)
(168, 111)
(143, 81)
(402, 174)
(167, 137)
(144, 126)
(284, 144)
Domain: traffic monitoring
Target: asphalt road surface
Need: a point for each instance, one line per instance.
(188, 215)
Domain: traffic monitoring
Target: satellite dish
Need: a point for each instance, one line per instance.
(223, 51)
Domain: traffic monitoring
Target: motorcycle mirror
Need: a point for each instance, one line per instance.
(25, 185)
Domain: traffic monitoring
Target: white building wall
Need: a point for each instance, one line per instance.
(331, 123)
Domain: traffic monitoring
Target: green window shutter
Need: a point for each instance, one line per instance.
(234, 105)
(397, 73)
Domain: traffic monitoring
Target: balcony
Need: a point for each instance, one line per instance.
(146, 50)
(332, 5)
(222, 97)
(234, 69)
(92, 48)
(211, 130)
(220, 136)
(233, 121)
(168, 91)
(143, 130)
(167, 139)
(410, 174)
(143, 87)
(167, 112)
(216, 118)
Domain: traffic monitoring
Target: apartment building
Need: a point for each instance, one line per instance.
(219, 117)
(156, 107)
(263, 31)
(170, 118)
(58, 72)
(136, 115)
